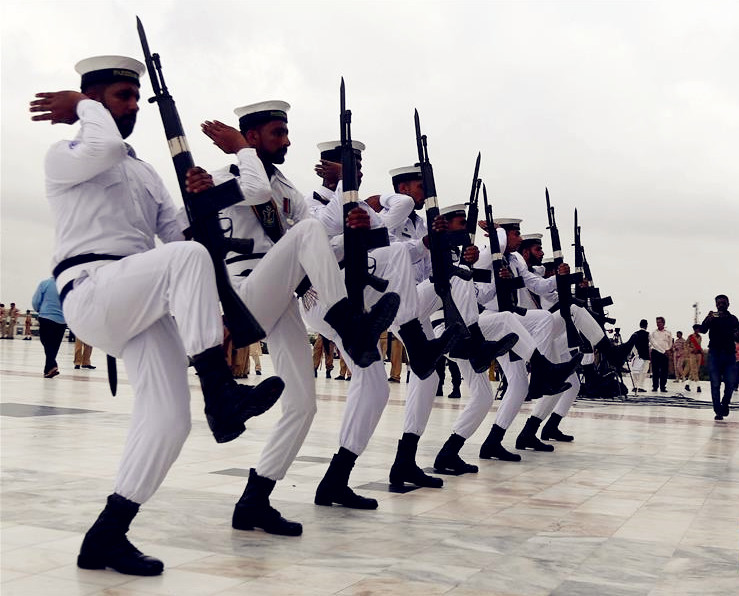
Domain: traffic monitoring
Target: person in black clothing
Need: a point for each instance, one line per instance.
(640, 365)
(723, 332)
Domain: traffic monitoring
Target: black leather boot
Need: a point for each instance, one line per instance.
(493, 448)
(551, 431)
(106, 545)
(448, 461)
(404, 468)
(361, 333)
(480, 351)
(334, 488)
(254, 511)
(527, 438)
(548, 378)
(424, 353)
(227, 404)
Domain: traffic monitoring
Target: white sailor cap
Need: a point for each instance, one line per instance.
(406, 173)
(260, 113)
(331, 150)
(529, 240)
(454, 211)
(508, 223)
(109, 69)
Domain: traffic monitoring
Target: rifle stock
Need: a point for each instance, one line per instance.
(202, 208)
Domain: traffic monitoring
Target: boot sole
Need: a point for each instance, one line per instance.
(95, 565)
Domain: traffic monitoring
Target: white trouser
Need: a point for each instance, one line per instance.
(368, 389)
(269, 293)
(420, 394)
(393, 263)
(493, 326)
(639, 370)
(559, 403)
(584, 323)
(540, 323)
(516, 391)
(125, 308)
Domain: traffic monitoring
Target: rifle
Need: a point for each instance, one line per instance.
(442, 267)
(504, 288)
(203, 208)
(356, 242)
(590, 294)
(564, 282)
(478, 275)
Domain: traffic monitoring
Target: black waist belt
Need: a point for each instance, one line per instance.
(73, 262)
(81, 260)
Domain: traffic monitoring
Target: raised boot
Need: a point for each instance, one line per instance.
(424, 353)
(448, 461)
(227, 404)
(404, 467)
(616, 355)
(527, 438)
(548, 378)
(334, 488)
(493, 448)
(106, 545)
(480, 351)
(551, 431)
(360, 334)
(254, 511)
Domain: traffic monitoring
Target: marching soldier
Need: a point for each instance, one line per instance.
(119, 292)
(288, 245)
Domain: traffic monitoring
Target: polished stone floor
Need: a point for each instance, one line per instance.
(644, 502)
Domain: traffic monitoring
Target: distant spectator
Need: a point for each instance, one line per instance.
(51, 324)
(27, 326)
(11, 321)
(679, 352)
(640, 363)
(660, 341)
(723, 332)
(695, 357)
(82, 353)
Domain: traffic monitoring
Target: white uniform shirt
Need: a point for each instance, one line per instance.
(104, 200)
(258, 189)
(409, 231)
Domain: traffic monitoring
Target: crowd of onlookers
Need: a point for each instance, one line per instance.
(657, 352)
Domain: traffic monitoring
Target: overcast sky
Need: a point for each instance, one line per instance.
(628, 111)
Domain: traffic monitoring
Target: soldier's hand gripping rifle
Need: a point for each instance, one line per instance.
(504, 287)
(203, 208)
(357, 242)
(442, 267)
(479, 275)
(589, 293)
(564, 293)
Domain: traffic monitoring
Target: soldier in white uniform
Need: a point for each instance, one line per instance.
(536, 295)
(368, 391)
(478, 349)
(494, 326)
(120, 293)
(288, 245)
